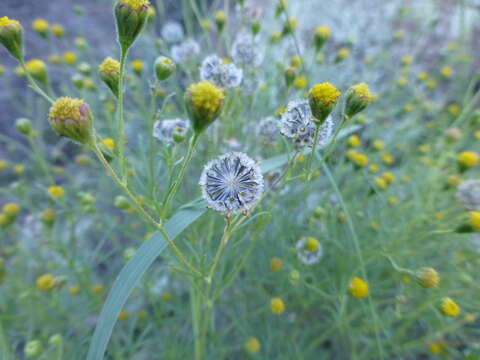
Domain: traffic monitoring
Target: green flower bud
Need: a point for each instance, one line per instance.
(130, 16)
(33, 349)
(55, 340)
(23, 125)
(289, 76)
(84, 68)
(164, 67)
(11, 36)
(121, 202)
(358, 99)
(255, 27)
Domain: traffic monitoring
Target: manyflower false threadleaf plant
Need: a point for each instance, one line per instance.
(204, 102)
(11, 36)
(322, 99)
(130, 16)
(72, 118)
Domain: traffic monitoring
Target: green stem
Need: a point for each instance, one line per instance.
(121, 131)
(312, 154)
(157, 225)
(33, 83)
(358, 252)
(174, 188)
(40, 159)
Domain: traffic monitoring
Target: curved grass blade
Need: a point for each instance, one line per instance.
(131, 274)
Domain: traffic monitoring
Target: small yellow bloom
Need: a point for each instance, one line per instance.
(277, 306)
(393, 200)
(428, 278)
(388, 177)
(360, 160)
(97, 289)
(422, 76)
(296, 61)
(343, 53)
(449, 307)
(380, 182)
(375, 225)
(19, 169)
(432, 84)
(454, 109)
(402, 81)
(474, 219)
(74, 290)
(206, 96)
(358, 288)
(312, 244)
(40, 25)
(325, 93)
(424, 148)
(55, 59)
(373, 168)
(301, 82)
(354, 141)
(123, 315)
(446, 72)
(45, 282)
(167, 296)
(137, 66)
(276, 37)
(276, 264)
(58, 30)
(407, 60)
(378, 145)
(109, 65)
(36, 66)
(69, 57)
(323, 31)
(11, 210)
(3, 165)
(388, 159)
(56, 192)
(109, 144)
(408, 108)
(252, 346)
(5, 21)
(135, 4)
(468, 159)
(454, 180)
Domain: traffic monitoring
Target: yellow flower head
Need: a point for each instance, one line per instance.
(446, 72)
(58, 30)
(97, 289)
(343, 53)
(3, 165)
(362, 91)
(296, 61)
(69, 57)
(137, 65)
(360, 160)
(123, 315)
(402, 81)
(449, 307)
(206, 96)
(220, 17)
(276, 264)
(373, 168)
(11, 209)
(378, 145)
(407, 60)
(301, 82)
(354, 141)
(381, 183)
(135, 4)
(323, 32)
(358, 288)
(252, 346)
(45, 282)
(56, 192)
(388, 177)
(74, 290)
(468, 159)
(40, 25)
(5, 21)
(36, 66)
(428, 278)
(277, 306)
(108, 143)
(325, 93)
(312, 244)
(475, 220)
(18, 169)
(109, 65)
(422, 76)
(388, 159)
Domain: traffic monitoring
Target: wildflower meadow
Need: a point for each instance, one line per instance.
(240, 179)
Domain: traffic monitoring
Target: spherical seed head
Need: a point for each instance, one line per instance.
(252, 345)
(428, 278)
(45, 282)
(71, 118)
(204, 102)
(449, 307)
(358, 288)
(130, 16)
(11, 210)
(322, 99)
(277, 306)
(11, 36)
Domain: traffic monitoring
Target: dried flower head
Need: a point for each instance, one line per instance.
(246, 51)
(185, 51)
(172, 32)
(224, 75)
(232, 183)
(170, 131)
(267, 129)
